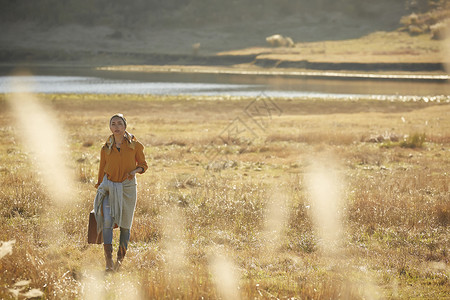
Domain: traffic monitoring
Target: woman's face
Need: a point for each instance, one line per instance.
(117, 126)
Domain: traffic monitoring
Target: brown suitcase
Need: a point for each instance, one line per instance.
(93, 236)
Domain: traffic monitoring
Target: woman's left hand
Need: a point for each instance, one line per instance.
(133, 173)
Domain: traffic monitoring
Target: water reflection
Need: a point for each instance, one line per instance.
(232, 85)
(94, 85)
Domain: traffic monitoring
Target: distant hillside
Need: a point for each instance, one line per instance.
(173, 26)
(134, 14)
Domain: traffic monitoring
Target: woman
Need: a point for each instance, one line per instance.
(121, 158)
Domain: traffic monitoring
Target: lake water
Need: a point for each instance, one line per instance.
(103, 82)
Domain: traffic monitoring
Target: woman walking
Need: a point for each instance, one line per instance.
(121, 157)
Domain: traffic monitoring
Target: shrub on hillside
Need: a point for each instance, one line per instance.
(440, 30)
(434, 22)
(413, 141)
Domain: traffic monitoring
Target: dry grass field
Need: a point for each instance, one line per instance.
(244, 198)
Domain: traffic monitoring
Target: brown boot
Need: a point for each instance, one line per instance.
(108, 257)
(120, 256)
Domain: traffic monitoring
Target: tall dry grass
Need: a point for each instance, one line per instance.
(245, 229)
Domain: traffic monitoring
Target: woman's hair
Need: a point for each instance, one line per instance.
(119, 116)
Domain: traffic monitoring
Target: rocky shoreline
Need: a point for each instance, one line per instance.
(96, 59)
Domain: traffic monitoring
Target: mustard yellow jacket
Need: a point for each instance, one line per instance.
(118, 164)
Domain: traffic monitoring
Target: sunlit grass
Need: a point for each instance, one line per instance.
(395, 213)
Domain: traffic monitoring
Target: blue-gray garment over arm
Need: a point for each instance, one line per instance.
(121, 197)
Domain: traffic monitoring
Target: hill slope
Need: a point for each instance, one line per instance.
(102, 31)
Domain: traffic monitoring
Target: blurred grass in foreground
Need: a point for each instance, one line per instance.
(395, 212)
